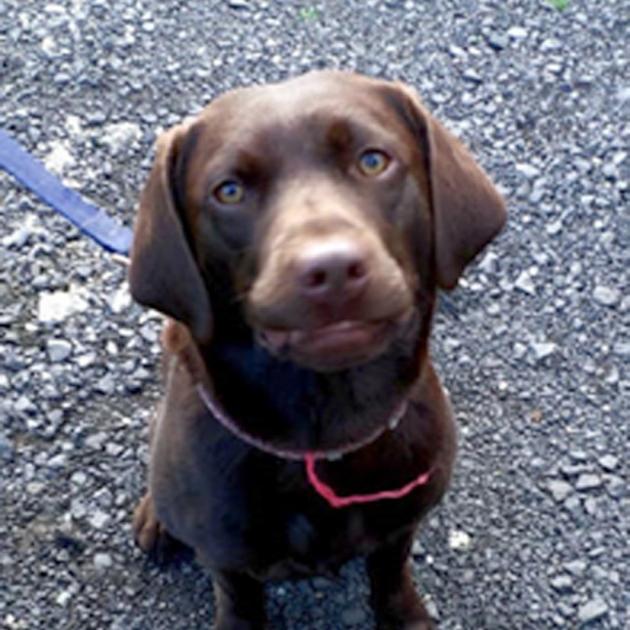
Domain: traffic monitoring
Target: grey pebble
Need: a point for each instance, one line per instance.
(588, 481)
(102, 561)
(525, 283)
(105, 385)
(24, 405)
(559, 489)
(544, 349)
(608, 462)
(99, 519)
(58, 350)
(593, 610)
(575, 567)
(497, 41)
(607, 296)
(562, 584)
(6, 447)
(238, 4)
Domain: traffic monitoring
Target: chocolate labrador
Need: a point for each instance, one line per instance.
(298, 233)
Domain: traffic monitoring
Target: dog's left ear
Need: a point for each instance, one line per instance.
(468, 211)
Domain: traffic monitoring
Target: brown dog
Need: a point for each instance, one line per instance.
(300, 232)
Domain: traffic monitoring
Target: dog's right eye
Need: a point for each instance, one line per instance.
(373, 162)
(229, 192)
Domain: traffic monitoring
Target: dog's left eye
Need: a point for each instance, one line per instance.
(229, 192)
(373, 162)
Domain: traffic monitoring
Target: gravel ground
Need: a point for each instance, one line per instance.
(534, 345)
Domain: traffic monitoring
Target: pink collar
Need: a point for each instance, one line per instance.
(310, 457)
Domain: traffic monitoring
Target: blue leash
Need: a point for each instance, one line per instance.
(93, 221)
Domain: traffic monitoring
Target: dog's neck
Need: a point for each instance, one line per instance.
(292, 407)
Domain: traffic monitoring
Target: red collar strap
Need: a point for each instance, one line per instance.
(310, 457)
(336, 501)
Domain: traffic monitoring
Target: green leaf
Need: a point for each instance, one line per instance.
(561, 5)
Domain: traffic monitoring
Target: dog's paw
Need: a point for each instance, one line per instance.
(150, 535)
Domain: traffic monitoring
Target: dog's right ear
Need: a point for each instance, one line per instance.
(163, 273)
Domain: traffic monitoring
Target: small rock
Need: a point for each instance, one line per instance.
(471, 76)
(59, 158)
(416, 548)
(432, 609)
(120, 299)
(608, 462)
(528, 170)
(119, 136)
(578, 455)
(458, 540)
(519, 349)
(238, 4)
(149, 333)
(525, 283)
(544, 349)
(622, 348)
(591, 506)
(105, 385)
(19, 237)
(497, 41)
(55, 307)
(551, 44)
(594, 609)
(24, 405)
(35, 487)
(58, 350)
(517, 32)
(562, 584)
(554, 227)
(99, 519)
(612, 378)
(63, 598)
(96, 440)
(6, 448)
(489, 263)
(78, 478)
(85, 360)
(607, 296)
(559, 489)
(77, 509)
(58, 461)
(102, 561)
(588, 481)
(575, 567)
(610, 171)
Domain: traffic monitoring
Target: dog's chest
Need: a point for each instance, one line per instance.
(286, 529)
(316, 543)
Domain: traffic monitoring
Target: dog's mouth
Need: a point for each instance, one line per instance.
(335, 346)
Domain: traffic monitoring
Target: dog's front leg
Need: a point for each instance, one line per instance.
(394, 599)
(239, 601)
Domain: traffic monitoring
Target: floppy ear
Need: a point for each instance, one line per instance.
(468, 211)
(163, 273)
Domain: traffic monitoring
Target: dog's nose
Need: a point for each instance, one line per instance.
(334, 271)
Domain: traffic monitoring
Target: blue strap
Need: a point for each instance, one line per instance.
(105, 230)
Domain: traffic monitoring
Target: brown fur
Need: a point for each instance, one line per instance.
(314, 242)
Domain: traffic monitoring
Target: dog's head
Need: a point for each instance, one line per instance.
(322, 211)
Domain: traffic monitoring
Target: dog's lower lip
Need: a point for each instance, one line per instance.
(338, 338)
